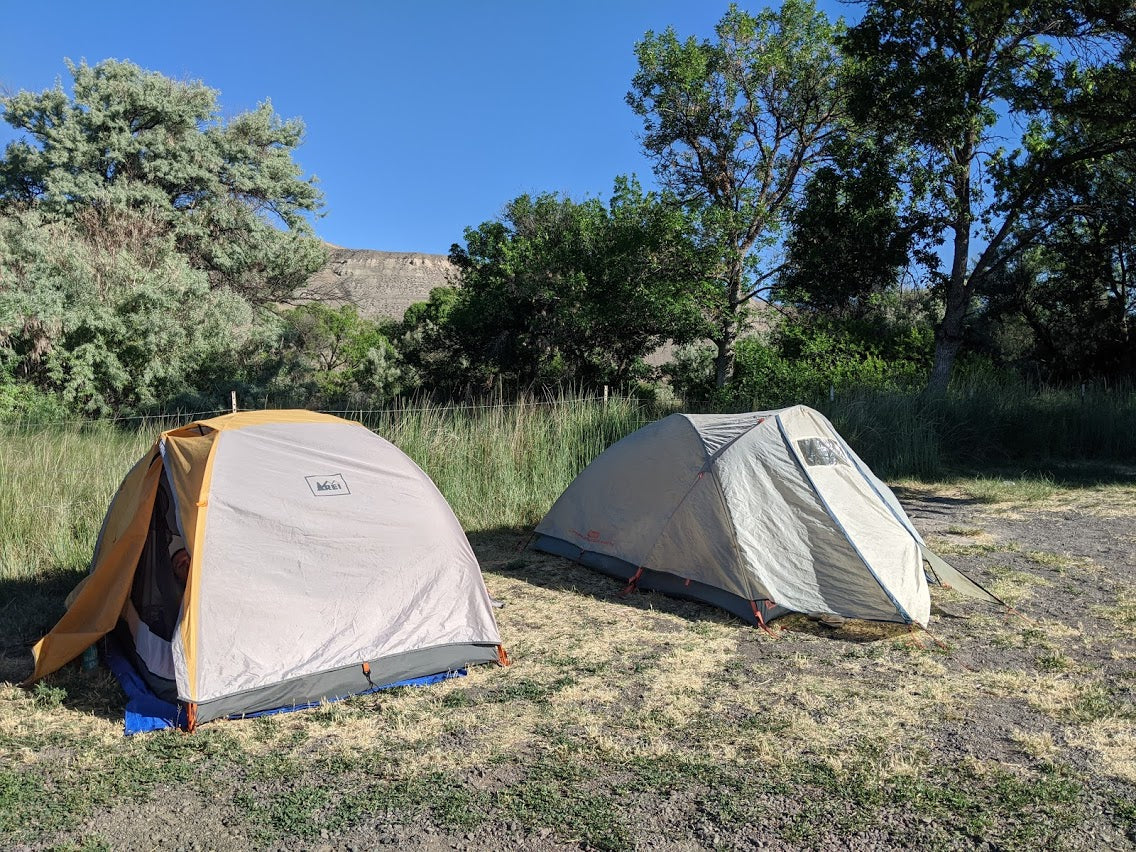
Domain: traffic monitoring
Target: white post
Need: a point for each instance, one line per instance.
(233, 398)
(605, 395)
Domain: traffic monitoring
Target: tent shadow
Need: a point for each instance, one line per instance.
(505, 552)
(30, 608)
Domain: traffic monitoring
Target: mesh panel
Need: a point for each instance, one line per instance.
(822, 451)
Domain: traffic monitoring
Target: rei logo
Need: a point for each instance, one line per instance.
(329, 485)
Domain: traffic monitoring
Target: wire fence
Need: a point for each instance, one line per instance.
(358, 413)
(161, 422)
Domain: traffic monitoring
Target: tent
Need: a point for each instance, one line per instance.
(322, 562)
(760, 514)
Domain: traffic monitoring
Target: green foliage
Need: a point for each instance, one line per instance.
(562, 291)
(1065, 309)
(127, 139)
(938, 78)
(335, 358)
(847, 240)
(766, 378)
(428, 345)
(24, 403)
(104, 311)
(139, 233)
(733, 127)
(807, 356)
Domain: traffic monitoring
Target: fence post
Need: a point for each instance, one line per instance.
(605, 396)
(233, 399)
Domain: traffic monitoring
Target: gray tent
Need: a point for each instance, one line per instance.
(760, 514)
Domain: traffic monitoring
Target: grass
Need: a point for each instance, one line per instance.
(983, 424)
(621, 718)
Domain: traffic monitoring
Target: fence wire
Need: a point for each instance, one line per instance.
(190, 416)
(8, 476)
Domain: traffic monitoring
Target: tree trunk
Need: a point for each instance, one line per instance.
(946, 349)
(724, 363)
(948, 336)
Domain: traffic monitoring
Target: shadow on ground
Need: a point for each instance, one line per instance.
(507, 552)
(30, 608)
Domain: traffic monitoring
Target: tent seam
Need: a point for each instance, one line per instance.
(709, 461)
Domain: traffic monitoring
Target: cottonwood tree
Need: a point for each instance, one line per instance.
(1076, 291)
(954, 81)
(734, 126)
(847, 240)
(559, 290)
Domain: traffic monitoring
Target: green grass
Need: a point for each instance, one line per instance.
(979, 425)
(615, 710)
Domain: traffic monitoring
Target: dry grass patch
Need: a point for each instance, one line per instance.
(982, 545)
(1064, 563)
(1011, 496)
(1113, 742)
(1040, 745)
(1122, 613)
(1014, 586)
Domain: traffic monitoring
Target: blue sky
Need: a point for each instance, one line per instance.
(423, 117)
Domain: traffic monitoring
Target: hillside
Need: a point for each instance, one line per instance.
(381, 284)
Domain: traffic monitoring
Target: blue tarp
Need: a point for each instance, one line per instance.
(146, 712)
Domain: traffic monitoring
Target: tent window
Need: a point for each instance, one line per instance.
(822, 451)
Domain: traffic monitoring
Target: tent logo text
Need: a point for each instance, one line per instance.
(328, 485)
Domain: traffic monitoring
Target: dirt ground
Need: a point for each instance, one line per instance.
(686, 729)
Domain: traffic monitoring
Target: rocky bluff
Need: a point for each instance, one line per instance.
(381, 284)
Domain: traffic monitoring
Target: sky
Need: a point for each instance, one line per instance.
(422, 117)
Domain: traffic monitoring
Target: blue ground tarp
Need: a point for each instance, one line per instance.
(146, 712)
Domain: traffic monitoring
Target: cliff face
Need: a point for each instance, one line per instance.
(381, 284)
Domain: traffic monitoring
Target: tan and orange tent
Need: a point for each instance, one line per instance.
(323, 562)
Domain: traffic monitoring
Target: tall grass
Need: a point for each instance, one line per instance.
(55, 485)
(499, 466)
(980, 424)
(504, 465)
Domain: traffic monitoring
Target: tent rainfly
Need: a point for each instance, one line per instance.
(319, 562)
(760, 514)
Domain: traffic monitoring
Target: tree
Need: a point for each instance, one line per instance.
(128, 139)
(339, 356)
(140, 233)
(734, 127)
(562, 290)
(427, 346)
(1076, 292)
(847, 240)
(950, 79)
(110, 329)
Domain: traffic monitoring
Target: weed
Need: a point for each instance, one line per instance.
(46, 696)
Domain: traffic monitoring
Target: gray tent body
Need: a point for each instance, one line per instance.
(760, 514)
(325, 563)
(326, 548)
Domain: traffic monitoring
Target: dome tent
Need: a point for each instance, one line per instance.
(323, 563)
(760, 514)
